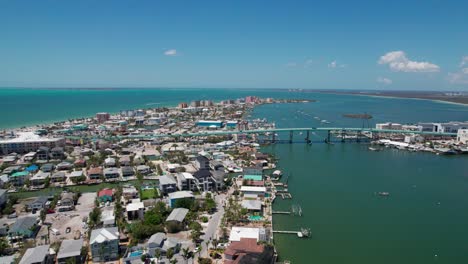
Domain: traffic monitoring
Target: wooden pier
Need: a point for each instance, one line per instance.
(304, 232)
(281, 212)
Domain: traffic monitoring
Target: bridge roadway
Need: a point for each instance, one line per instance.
(270, 130)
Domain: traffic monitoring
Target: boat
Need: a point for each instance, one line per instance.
(374, 149)
(383, 193)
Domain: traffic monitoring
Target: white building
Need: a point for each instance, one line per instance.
(247, 232)
(28, 141)
(388, 125)
(462, 136)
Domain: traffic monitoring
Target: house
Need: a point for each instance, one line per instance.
(39, 178)
(58, 176)
(48, 167)
(125, 160)
(127, 171)
(80, 163)
(167, 184)
(3, 197)
(143, 169)
(109, 162)
(186, 182)
(202, 162)
(111, 173)
(108, 217)
(70, 252)
(23, 228)
(38, 204)
(255, 170)
(151, 154)
(37, 255)
(64, 166)
(67, 199)
(177, 215)
(95, 173)
(259, 191)
(247, 250)
(104, 244)
(57, 153)
(105, 195)
(135, 210)
(12, 169)
(19, 178)
(205, 180)
(237, 233)
(155, 242)
(252, 205)
(462, 136)
(173, 197)
(42, 153)
(75, 175)
(129, 192)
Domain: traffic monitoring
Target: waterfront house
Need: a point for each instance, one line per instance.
(48, 167)
(247, 250)
(237, 233)
(111, 173)
(23, 228)
(105, 195)
(37, 255)
(38, 204)
(252, 205)
(254, 190)
(76, 175)
(167, 184)
(127, 171)
(67, 199)
(64, 165)
(12, 169)
(19, 178)
(39, 178)
(175, 196)
(58, 176)
(254, 170)
(95, 173)
(70, 251)
(104, 244)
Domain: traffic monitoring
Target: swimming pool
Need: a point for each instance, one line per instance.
(136, 253)
(255, 218)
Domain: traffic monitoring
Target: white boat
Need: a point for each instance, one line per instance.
(373, 149)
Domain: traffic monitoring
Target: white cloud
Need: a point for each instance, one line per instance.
(398, 61)
(385, 81)
(464, 61)
(461, 76)
(170, 52)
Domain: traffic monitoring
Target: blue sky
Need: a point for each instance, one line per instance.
(405, 45)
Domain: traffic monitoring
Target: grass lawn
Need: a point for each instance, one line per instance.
(149, 194)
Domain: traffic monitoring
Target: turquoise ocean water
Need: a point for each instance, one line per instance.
(423, 221)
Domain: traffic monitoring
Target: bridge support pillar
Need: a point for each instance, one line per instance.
(343, 135)
(290, 136)
(273, 137)
(328, 140)
(308, 137)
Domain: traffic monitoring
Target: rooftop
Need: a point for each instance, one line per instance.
(35, 255)
(28, 137)
(178, 214)
(104, 234)
(70, 248)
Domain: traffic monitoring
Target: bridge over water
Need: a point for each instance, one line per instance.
(272, 131)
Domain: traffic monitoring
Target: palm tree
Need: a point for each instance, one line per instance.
(173, 261)
(185, 254)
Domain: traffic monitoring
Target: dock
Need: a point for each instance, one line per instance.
(303, 233)
(281, 212)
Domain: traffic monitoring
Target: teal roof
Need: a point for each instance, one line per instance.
(20, 174)
(253, 177)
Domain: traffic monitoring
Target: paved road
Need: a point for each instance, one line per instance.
(213, 224)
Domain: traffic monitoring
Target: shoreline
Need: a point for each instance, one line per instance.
(390, 96)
